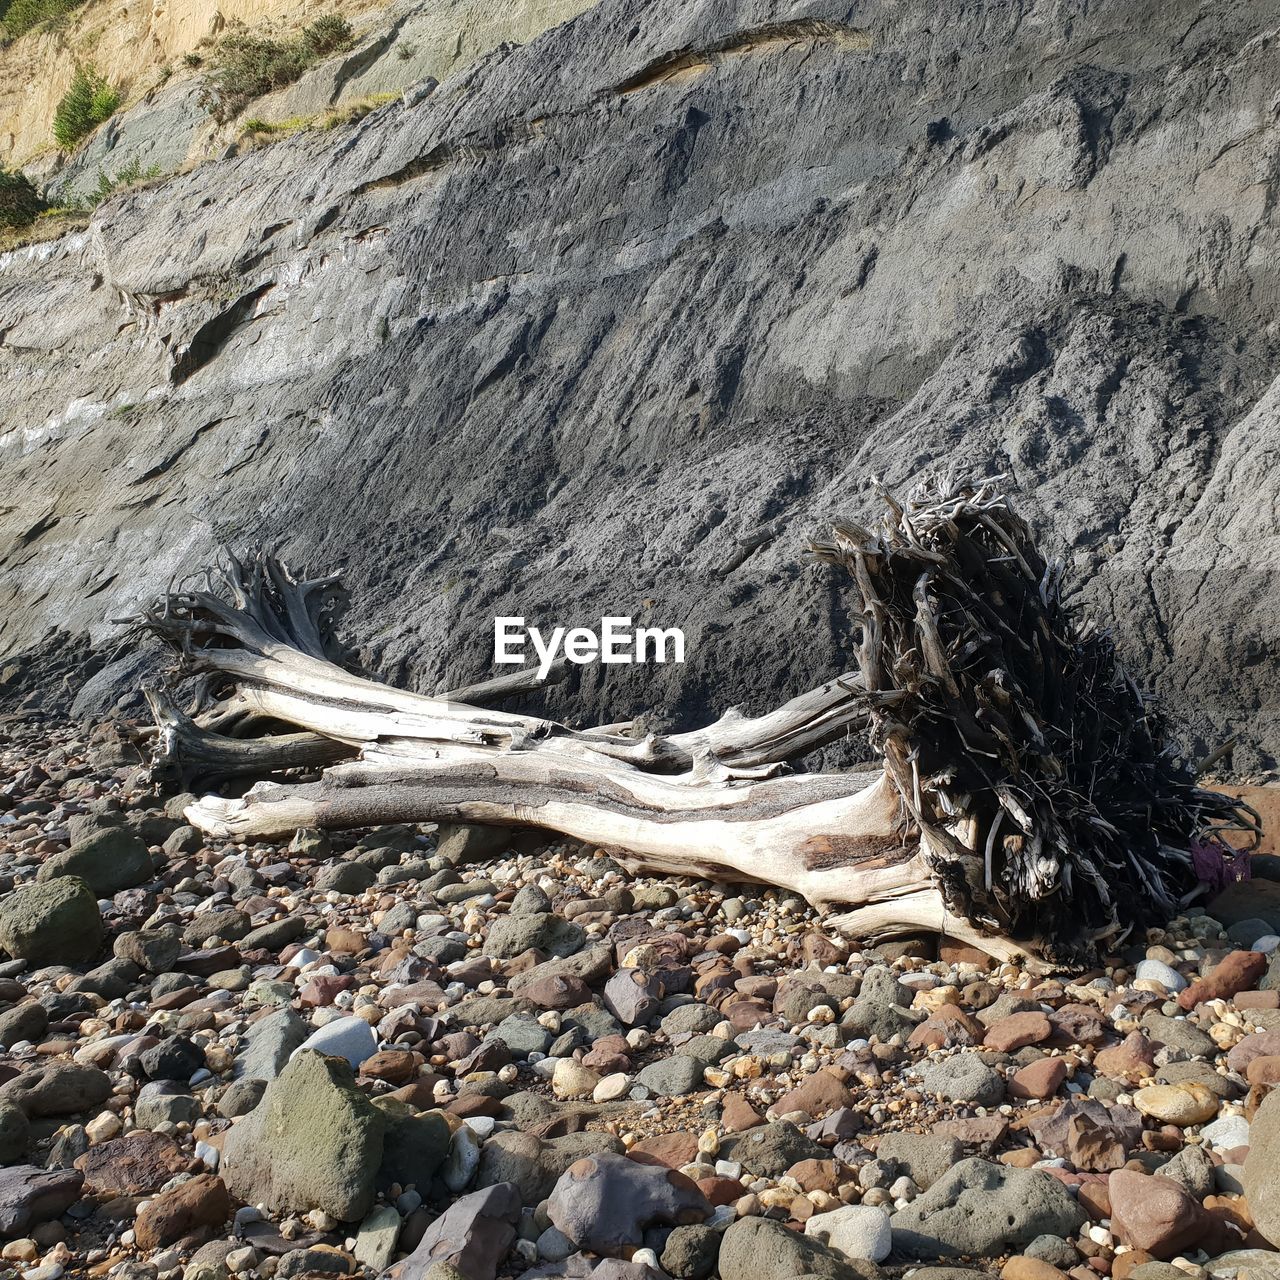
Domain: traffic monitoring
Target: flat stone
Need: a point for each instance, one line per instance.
(30, 1195)
(472, 1236)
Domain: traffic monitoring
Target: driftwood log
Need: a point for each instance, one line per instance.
(1024, 800)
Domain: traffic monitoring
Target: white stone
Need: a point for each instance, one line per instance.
(242, 1259)
(1267, 943)
(1157, 971)
(856, 1231)
(376, 1244)
(612, 1087)
(1226, 1132)
(481, 1126)
(350, 1038)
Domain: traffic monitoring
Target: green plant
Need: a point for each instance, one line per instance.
(23, 15)
(248, 66)
(165, 74)
(192, 60)
(20, 202)
(87, 103)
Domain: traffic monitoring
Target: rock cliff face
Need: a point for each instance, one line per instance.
(550, 338)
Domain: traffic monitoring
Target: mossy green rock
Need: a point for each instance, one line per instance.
(313, 1142)
(57, 922)
(107, 861)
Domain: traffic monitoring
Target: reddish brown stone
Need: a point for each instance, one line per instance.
(1038, 1079)
(1078, 1024)
(976, 1131)
(472, 1104)
(815, 1175)
(1130, 1061)
(557, 991)
(136, 1164)
(952, 952)
(1238, 971)
(1095, 1200)
(201, 1202)
(737, 1114)
(1124, 1264)
(721, 1190)
(815, 1095)
(1017, 1031)
(745, 1015)
(670, 1149)
(345, 942)
(394, 1066)
(1264, 1071)
(947, 1026)
(1257, 1000)
(1262, 1044)
(1155, 1214)
(1020, 1267)
(420, 1093)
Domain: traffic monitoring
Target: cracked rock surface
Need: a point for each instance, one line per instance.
(563, 330)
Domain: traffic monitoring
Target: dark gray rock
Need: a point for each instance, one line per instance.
(472, 1235)
(510, 935)
(164, 1102)
(154, 950)
(605, 1203)
(880, 1009)
(29, 1195)
(672, 1077)
(984, 1209)
(924, 1157)
(534, 1165)
(57, 1089)
(27, 1021)
(345, 878)
(770, 1150)
(268, 1044)
(690, 1252)
(1262, 1168)
(15, 1133)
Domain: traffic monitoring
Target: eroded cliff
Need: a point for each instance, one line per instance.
(550, 338)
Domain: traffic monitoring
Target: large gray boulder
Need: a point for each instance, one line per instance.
(984, 1209)
(313, 1142)
(108, 861)
(57, 922)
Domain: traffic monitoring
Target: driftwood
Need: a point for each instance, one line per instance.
(1025, 798)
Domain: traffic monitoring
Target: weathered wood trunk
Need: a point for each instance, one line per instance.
(1025, 798)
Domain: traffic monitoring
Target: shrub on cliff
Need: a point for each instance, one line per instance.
(20, 202)
(23, 15)
(88, 102)
(248, 66)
